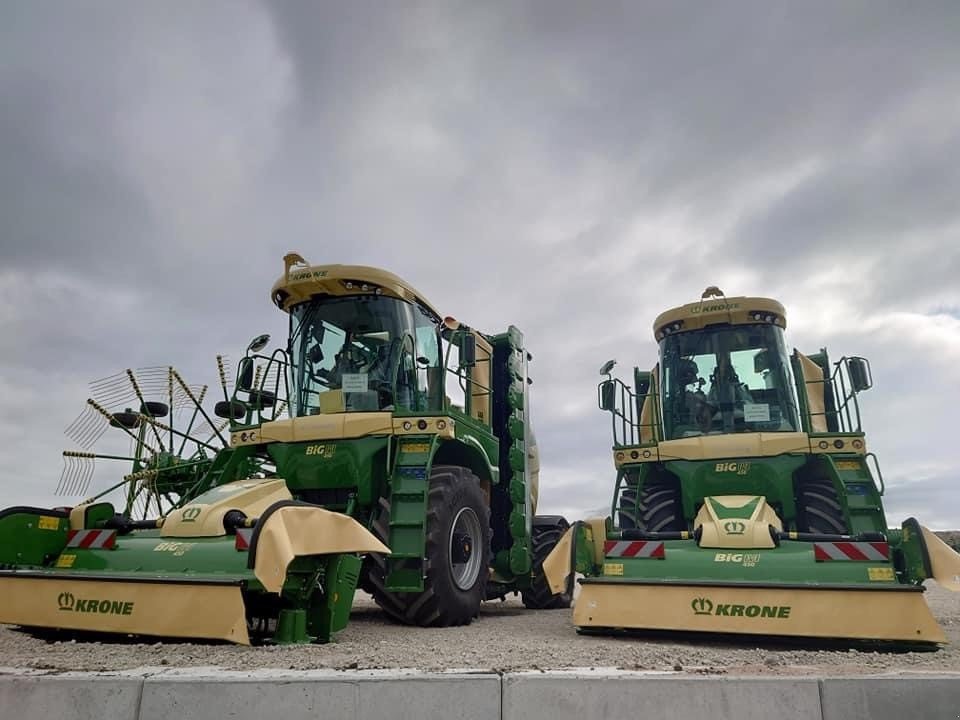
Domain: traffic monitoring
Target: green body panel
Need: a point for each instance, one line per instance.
(791, 563)
(910, 550)
(771, 477)
(146, 552)
(330, 612)
(357, 464)
(30, 537)
(476, 448)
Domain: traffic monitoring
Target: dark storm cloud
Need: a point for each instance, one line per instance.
(570, 168)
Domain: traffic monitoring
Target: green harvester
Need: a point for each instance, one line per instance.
(385, 446)
(746, 501)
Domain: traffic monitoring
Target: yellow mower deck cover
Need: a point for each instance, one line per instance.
(944, 561)
(815, 612)
(295, 531)
(161, 608)
(557, 567)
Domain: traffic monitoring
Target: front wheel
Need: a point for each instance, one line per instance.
(457, 554)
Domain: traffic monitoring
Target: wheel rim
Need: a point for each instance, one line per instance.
(464, 551)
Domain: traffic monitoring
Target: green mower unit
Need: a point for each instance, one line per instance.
(745, 499)
(385, 446)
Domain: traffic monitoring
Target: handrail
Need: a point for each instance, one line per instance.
(846, 407)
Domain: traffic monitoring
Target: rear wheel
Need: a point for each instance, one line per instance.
(539, 596)
(819, 509)
(457, 554)
(627, 504)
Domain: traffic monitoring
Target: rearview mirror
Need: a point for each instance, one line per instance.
(858, 369)
(608, 395)
(245, 374)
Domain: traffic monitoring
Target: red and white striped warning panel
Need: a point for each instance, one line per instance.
(91, 539)
(633, 548)
(858, 551)
(243, 539)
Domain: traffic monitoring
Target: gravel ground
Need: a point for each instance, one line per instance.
(505, 637)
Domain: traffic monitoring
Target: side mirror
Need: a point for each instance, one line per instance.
(858, 369)
(468, 350)
(608, 395)
(245, 374)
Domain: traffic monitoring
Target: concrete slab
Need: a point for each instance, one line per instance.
(93, 697)
(891, 698)
(574, 696)
(321, 695)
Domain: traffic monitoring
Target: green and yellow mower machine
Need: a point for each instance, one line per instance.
(385, 446)
(746, 500)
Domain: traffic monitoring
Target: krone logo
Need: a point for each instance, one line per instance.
(702, 606)
(65, 600)
(190, 514)
(734, 527)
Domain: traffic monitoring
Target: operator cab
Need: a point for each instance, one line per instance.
(364, 353)
(724, 369)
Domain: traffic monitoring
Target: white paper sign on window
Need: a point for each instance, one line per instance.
(354, 382)
(756, 412)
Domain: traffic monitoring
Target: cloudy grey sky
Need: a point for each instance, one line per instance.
(570, 168)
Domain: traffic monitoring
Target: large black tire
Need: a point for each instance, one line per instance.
(539, 596)
(627, 504)
(659, 508)
(457, 554)
(818, 507)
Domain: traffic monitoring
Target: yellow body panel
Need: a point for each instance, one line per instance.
(752, 532)
(322, 427)
(296, 531)
(737, 445)
(556, 566)
(481, 381)
(648, 415)
(900, 615)
(944, 561)
(815, 386)
(165, 609)
(204, 518)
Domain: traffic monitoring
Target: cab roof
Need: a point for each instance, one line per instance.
(714, 308)
(300, 282)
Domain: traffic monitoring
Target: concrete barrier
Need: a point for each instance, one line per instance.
(191, 694)
(891, 698)
(89, 697)
(361, 695)
(574, 696)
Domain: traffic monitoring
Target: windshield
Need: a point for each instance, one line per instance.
(725, 379)
(361, 354)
